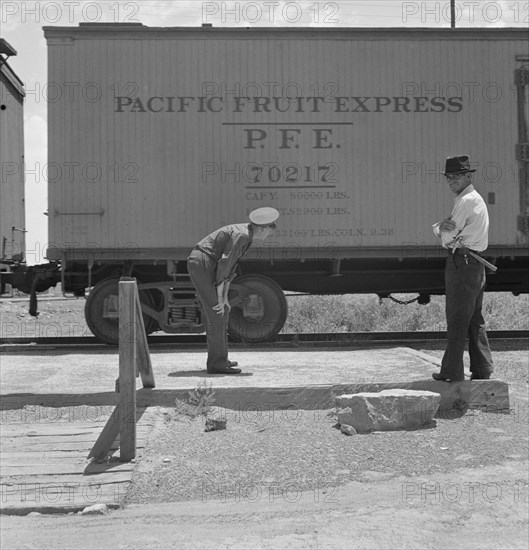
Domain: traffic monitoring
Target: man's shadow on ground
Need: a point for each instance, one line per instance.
(204, 374)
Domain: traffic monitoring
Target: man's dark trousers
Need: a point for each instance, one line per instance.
(465, 283)
(202, 270)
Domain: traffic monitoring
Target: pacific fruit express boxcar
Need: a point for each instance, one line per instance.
(157, 136)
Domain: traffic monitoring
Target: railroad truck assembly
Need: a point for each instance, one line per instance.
(158, 136)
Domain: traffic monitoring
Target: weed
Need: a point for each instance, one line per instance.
(199, 402)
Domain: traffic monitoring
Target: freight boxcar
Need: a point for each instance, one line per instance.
(12, 214)
(157, 136)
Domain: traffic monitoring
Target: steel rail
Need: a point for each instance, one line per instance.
(283, 340)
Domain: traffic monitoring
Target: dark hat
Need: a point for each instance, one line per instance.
(457, 165)
(265, 216)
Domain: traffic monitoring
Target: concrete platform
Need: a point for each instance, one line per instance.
(304, 378)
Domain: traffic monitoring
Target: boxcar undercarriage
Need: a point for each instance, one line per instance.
(259, 306)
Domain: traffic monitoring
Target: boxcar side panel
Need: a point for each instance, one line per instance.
(172, 134)
(12, 242)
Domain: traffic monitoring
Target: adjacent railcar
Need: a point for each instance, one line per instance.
(157, 136)
(12, 212)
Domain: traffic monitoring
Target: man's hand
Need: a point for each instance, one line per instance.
(219, 308)
(447, 225)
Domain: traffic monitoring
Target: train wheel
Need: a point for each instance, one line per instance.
(259, 309)
(102, 307)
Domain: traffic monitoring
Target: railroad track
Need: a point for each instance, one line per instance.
(282, 340)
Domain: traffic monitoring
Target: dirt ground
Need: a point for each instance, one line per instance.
(471, 508)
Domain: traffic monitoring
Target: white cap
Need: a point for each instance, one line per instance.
(264, 216)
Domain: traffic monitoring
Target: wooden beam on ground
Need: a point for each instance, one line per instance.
(484, 395)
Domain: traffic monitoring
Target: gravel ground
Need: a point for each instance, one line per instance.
(292, 451)
(57, 318)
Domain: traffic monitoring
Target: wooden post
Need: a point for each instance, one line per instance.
(127, 368)
(134, 358)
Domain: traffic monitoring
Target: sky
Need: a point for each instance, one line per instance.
(21, 23)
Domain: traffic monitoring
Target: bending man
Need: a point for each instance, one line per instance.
(212, 266)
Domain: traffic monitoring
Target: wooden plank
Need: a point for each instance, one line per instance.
(23, 456)
(83, 445)
(14, 439)
(127, 364)
(59, 439)
(20, 509)
(12, 404)
(36, 431)
(66, 467)
(48, 449)
(59, 430)
(41, 463)
(49, 452)
(62, 426)
(102, 478)
(34, 457)
(48, 497)
(61, 443)
(56, 486)
(65, 447)
(143, 357)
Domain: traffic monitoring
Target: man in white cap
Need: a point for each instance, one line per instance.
(465, 234)
(212, 266)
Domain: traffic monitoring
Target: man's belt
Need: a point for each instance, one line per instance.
(476, 256)
(206, 252)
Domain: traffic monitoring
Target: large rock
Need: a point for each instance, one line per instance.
(393, 409)
(95, 509)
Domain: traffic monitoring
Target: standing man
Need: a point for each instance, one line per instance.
(465, 234)
(212, 266)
